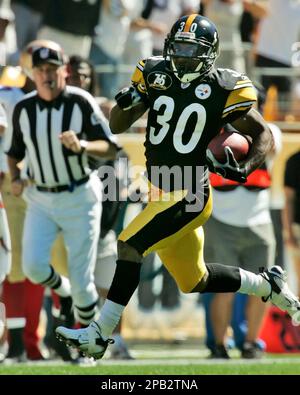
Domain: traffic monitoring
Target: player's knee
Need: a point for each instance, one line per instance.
(200, 287)
(187, 285)
(128, 253)
(185, 288)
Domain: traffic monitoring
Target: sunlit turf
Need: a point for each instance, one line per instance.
(165, 359)
(271, 367)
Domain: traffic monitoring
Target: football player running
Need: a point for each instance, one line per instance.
(189, 101)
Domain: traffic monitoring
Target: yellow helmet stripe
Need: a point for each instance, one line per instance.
(188, 22)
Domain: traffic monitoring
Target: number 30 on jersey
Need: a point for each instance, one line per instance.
(157, 136)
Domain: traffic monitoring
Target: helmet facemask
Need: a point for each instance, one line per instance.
(189, 57)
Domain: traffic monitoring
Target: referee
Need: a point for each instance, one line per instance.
(55, 128)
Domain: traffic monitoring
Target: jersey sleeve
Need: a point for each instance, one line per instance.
(240, 99)
(137, 78)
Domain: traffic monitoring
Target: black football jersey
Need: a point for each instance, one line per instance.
(184, 117)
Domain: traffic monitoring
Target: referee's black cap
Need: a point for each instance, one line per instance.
(47, 55)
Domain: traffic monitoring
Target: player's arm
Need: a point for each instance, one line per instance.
(132, 102)
(239, 113)
(253, 125)
(121, 120)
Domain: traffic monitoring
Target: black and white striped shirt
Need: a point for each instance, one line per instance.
(37, 125)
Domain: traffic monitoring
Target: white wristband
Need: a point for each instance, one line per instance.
(83, 145)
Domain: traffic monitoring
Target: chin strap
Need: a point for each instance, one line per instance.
(186, 77)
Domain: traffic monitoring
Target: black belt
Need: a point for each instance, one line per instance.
(62, 188)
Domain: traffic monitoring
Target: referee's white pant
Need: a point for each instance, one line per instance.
(77, 215)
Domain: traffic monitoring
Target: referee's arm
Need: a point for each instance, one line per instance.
(98, 139)
(102, 148)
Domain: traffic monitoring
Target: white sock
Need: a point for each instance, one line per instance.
(254, 284)
(110, 315)
(64, 289)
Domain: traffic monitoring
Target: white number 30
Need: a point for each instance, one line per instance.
(156, 137)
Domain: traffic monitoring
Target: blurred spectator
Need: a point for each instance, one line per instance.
(291, 213)
(278, 30)
(226, 14)
(5, 243)
(139, 44)
(7, 32)
(253, 11)
(71, 24)
(109, 42)
(81, 73)
(28, 20)
(164, 13)
(249, 238)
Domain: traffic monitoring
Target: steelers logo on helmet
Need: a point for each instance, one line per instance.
(191, 47)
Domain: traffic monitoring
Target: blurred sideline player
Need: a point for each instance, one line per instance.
(5, 242)
(241, 237)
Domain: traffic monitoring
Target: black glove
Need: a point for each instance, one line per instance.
(230, 169)
(129, 97)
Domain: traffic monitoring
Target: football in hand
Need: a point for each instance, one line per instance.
(238, 144)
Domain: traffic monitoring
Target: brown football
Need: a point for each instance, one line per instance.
(238, 143)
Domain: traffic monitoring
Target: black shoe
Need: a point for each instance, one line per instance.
(58, 349)
(251, 350)
(67, 311)
(219, 352)
(53, 344)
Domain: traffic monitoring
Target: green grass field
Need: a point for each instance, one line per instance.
(271, 368)
(166, 360)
